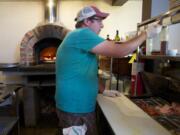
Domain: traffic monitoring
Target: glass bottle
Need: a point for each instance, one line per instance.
(107, 38)
(117, 38)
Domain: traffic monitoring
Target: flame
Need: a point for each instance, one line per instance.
(48, 54)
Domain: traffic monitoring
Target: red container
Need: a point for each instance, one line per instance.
(136, 85)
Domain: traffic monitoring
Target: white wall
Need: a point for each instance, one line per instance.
(16, 18)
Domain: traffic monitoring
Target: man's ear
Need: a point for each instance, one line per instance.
(87, 22)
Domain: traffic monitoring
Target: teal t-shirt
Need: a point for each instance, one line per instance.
(76, 72)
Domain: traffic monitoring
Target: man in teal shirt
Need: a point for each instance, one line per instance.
(77, 80)
(77, 70)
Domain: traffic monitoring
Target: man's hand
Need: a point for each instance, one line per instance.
(153, 30)
(111, 93)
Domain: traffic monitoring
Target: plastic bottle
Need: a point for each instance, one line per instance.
(149, 46)
(164, 37)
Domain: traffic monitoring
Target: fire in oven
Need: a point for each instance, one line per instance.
(45, 50)
(162, 104)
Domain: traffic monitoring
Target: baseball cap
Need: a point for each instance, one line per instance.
(90, 11)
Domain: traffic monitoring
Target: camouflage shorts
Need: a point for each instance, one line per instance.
(76, 119)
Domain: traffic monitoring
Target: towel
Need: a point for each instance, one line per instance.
(75, 130)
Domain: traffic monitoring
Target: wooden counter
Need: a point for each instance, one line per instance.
(125, 118)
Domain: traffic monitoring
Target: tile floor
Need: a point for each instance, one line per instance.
(47, 125)
(38, 131)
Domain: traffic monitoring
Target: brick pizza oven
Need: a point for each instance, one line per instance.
(39, 45)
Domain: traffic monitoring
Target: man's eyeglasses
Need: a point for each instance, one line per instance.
(97, 19)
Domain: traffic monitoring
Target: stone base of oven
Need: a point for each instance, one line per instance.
(31, 107)
(38, 102)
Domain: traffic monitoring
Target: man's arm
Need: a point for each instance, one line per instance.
(112, 49)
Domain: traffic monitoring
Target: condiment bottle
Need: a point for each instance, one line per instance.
(149, 46)
(107, 38)
(164, 37)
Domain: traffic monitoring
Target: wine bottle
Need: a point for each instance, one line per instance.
(117, 38)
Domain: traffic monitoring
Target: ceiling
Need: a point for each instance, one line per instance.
(112, 2)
